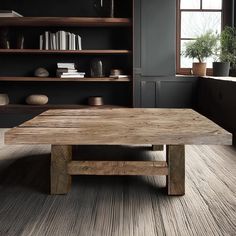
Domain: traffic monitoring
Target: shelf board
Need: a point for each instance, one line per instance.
(36, 79)
(86, 52)
(65, 21)
(23, 108)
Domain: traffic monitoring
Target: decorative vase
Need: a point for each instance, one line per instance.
(199, 69)
(104, 8)
(97, 70)
(4, 99)
(221, 68)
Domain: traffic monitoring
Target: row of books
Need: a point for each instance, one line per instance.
(68, 70)
(60, 40)
(9, 13)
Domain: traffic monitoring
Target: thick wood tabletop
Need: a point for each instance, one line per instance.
(119, 127)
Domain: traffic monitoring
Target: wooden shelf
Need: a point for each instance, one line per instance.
(36, 79)
(86, 52)
(65, 21)
(23, 108)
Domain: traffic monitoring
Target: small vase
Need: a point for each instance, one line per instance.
(4, 99)
(97, 70)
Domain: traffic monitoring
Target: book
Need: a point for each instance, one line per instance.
(66, 65)
(65, 70)
(119, 76)
(9, 13)
(46, 42)
(72, 76)
(41, 42)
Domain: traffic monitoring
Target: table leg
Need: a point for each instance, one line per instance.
(158, 147)
(175, 155)
(60, 180)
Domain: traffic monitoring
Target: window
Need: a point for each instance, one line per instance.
(196, 17)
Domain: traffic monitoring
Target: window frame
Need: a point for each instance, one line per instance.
(187, 71)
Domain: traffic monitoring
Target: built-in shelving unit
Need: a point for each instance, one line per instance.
(66, 21)
(104, 38)
(92, 52)
(36, 79)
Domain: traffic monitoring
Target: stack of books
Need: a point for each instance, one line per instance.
(60, 40)
(68, 70)
(9, 13)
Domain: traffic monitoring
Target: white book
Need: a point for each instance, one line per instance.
(70, 41)
(51, 41)
(54, 41)
(73, 42)
(9, 13)
(70, 66)
(73, 73)
(46, 40)
(62, 40)
(71, 76)
(41, 42)
(79, 44)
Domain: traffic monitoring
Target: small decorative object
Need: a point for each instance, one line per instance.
(97, 69)
(37, 99)
(4, 99)
(104, 7)
(41, 72)
(4, 39)
(20, 41)
(116, 72)
(95, 101)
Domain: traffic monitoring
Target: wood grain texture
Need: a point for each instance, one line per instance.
(175, 180)
(50, 79)
(149, 168)
(119, 206)
(65, 21)
(119, 126)
(158, 147)
(60, 180)
(85, 52)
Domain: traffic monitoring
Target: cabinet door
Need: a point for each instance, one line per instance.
(158, 36)
(149, 94)
(176, 94)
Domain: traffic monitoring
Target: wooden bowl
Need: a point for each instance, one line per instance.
(37, 99)
(95, 101)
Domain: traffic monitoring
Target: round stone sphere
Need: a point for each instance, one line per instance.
(37, 99)
(41, 72)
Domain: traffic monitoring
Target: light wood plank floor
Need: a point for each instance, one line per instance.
(119, 206)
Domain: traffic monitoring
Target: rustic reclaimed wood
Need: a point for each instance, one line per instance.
(158, 147)
(60, 179)
(175, 156)
(148, 168)
(119, 126)
(63, 128)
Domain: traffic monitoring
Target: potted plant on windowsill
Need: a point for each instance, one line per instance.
(226, 52)
(200, 49)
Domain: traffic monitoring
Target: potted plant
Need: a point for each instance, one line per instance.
(200, 49)
(226, 52)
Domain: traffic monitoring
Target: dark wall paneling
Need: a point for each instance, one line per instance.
(216, 100)
(69, 92)
(24, 64)
(158, 33)
(65, 8)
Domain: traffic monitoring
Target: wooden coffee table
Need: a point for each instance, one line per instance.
(172, 127)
